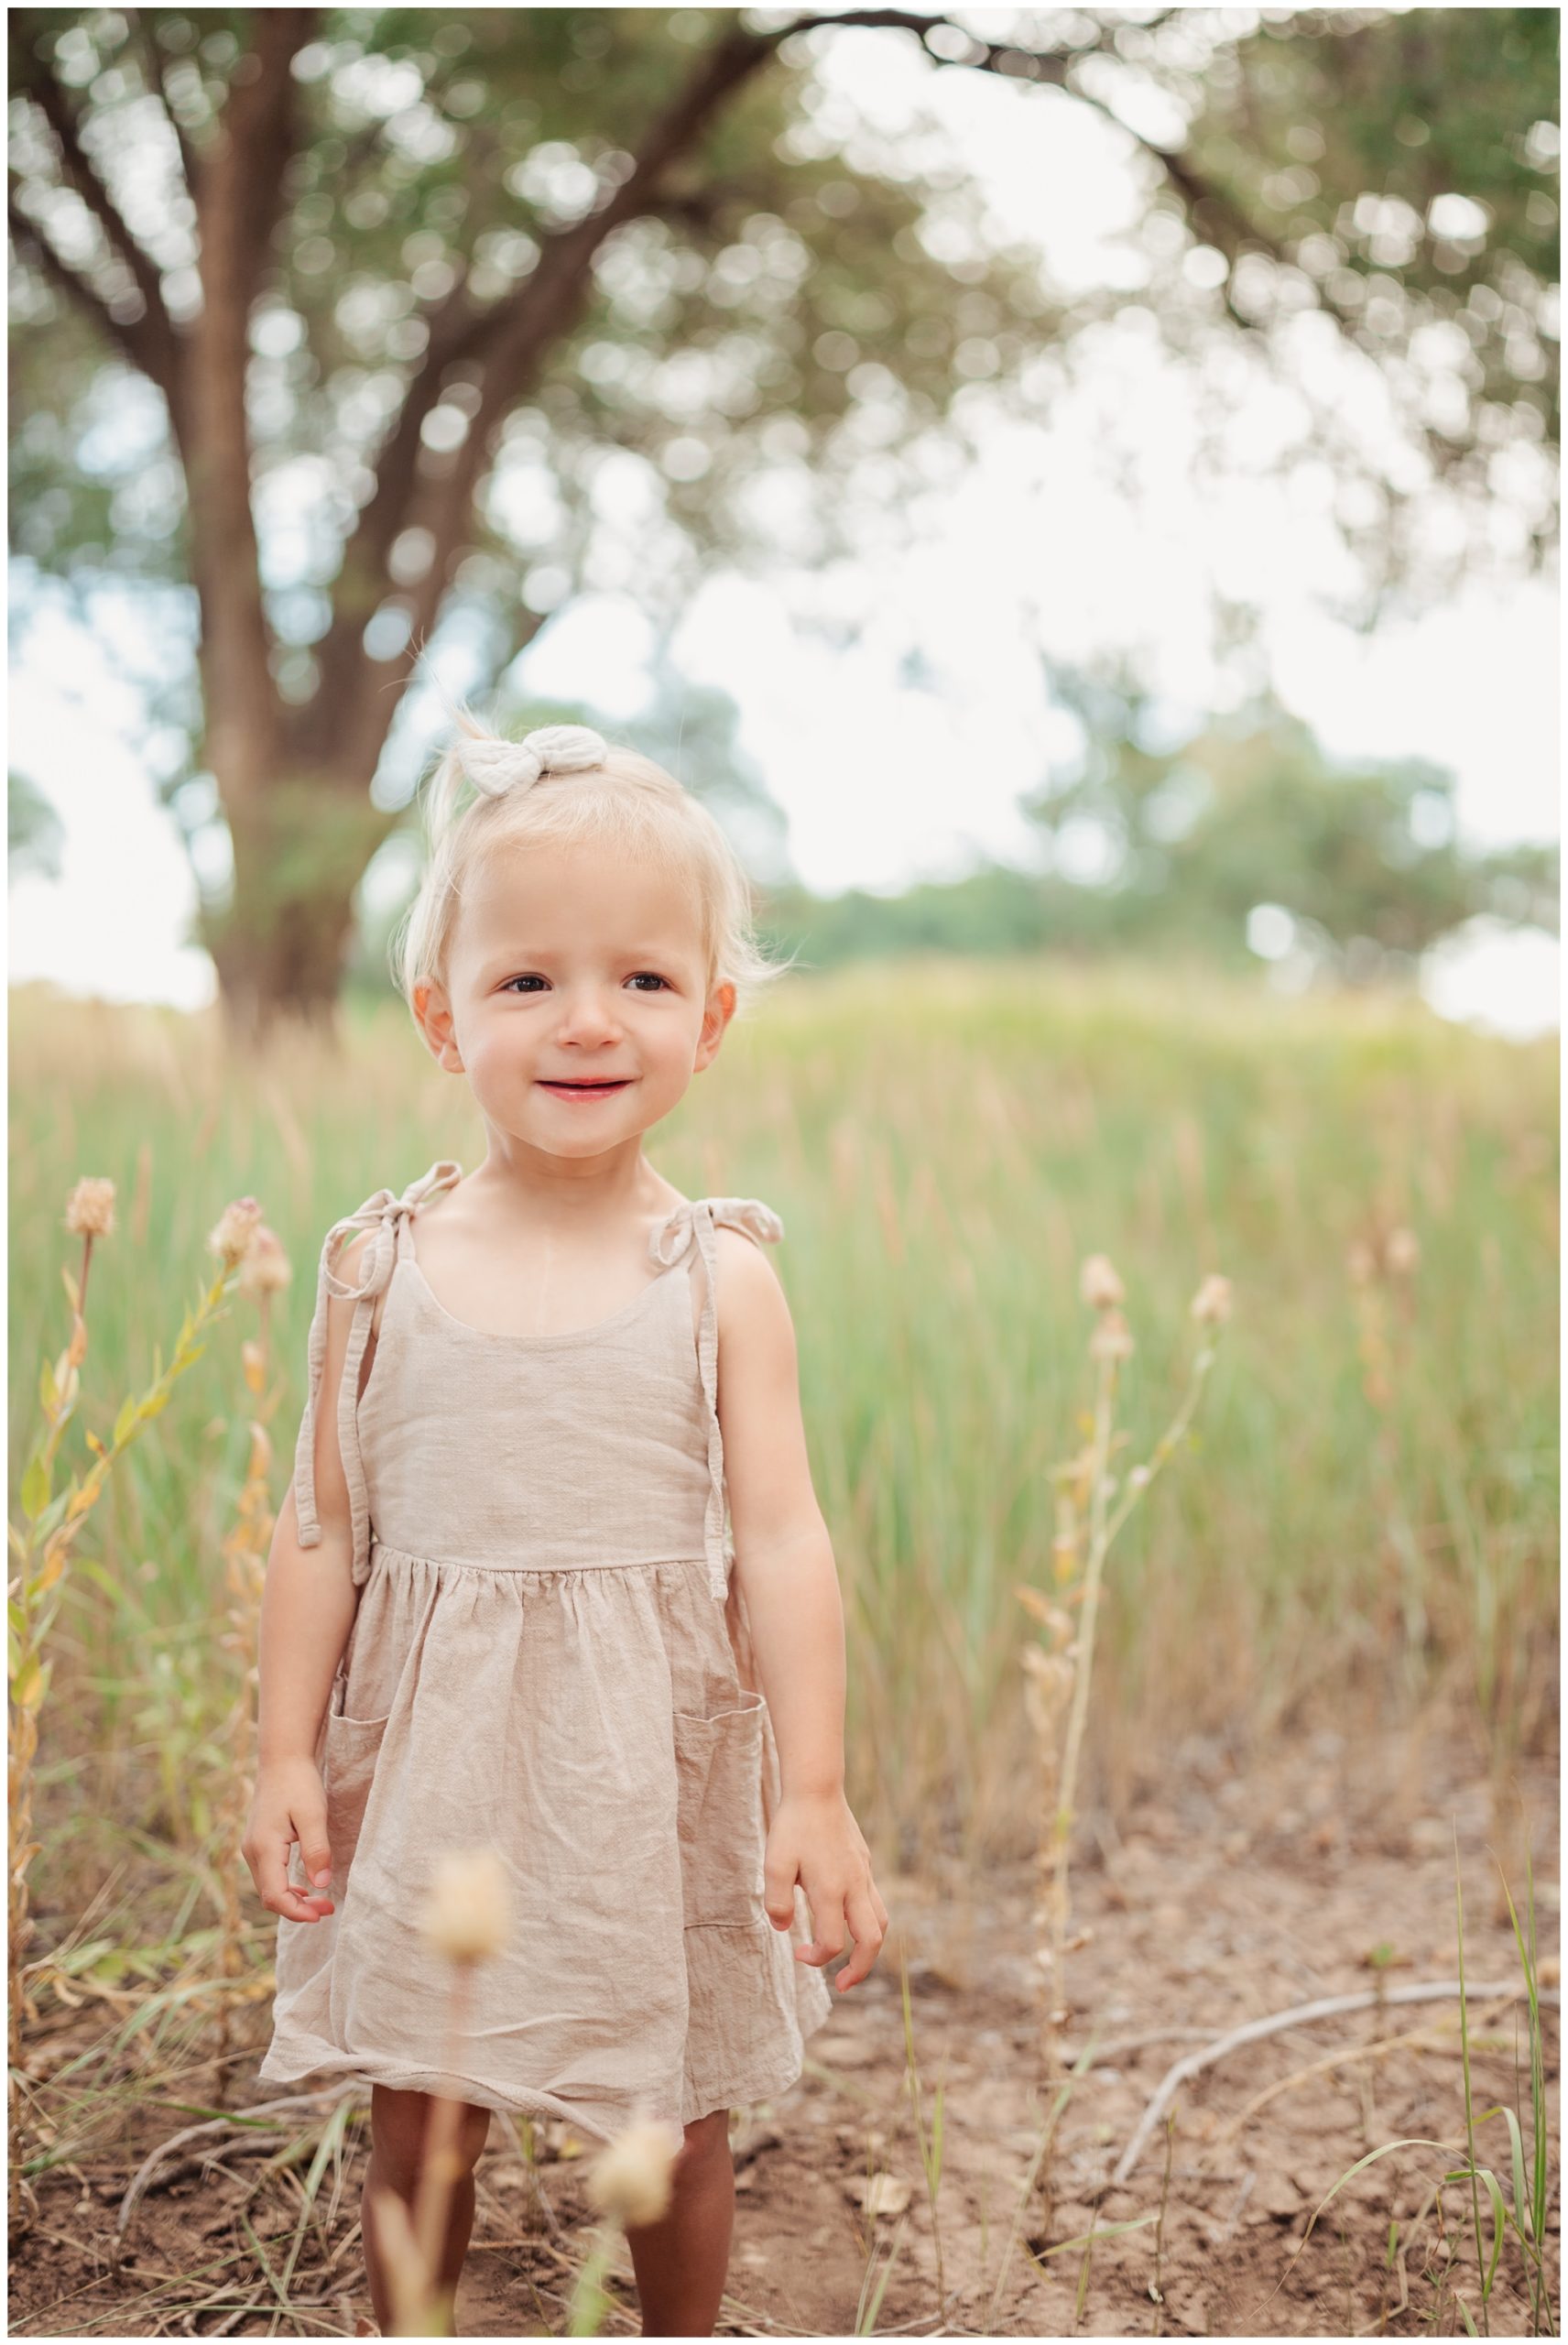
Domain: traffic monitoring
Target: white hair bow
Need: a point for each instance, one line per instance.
(496, 767)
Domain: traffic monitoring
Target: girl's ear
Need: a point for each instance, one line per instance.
(717, 1017)
(434, 1010)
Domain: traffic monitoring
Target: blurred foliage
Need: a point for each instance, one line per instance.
(1399, 172)
(35, 833)
(1170, 850)
(1174, 850)
(780, 313)
(439, 153)
(761, 366)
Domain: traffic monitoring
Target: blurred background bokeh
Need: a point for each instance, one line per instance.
(1075, 491)
(1086, 484)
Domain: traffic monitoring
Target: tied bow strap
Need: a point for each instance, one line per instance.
(496, 767)
(695, 1224)
(380, 1215)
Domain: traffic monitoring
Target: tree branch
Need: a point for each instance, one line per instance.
(131, 334)
(239, 193)
(1044, 64)
(156, 345)
(511, 340)
(453, 335)
(361, 581)
(1229, 227)
(153, 72)
(1008, 59)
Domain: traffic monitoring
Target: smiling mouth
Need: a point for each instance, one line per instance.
(615, 1083)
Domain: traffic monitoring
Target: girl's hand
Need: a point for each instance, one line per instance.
(815, 1838)
(289, 1805)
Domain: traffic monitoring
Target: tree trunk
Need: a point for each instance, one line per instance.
(291, 973)
(281, 943)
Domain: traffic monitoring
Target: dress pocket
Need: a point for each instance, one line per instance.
(718, 1761)
(348, 1771)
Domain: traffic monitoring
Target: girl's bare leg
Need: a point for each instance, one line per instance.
(398, 2126)
(682, 2261)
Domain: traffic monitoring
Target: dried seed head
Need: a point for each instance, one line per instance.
(630, 2180)
(1098, 1282)
(1112, 1339)
(90, 1208)
(1401, 1252)
(1212, 1302)
(230, 1238)
(465, 1911)
(1052, 1670)
(265, 1268)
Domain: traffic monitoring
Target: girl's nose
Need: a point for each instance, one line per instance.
(586, 1017)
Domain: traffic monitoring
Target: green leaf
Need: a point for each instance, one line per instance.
(1406, 2142)
(35, 1489)
(1499, 2224)
(1516, 2145)
(1084, 2239)
(51, 1516)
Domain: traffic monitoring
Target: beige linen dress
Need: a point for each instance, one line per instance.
(551, 1658)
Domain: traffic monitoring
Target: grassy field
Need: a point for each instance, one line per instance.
(1359, 1543)
(1367, 1509)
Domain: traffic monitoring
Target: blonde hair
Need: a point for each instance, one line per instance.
(624, 799)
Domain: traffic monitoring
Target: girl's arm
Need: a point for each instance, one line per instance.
(308, 1605)
(784, 1562)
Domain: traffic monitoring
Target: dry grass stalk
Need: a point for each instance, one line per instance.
(1058, 1664)
(629, 2182)
(40, 1547)
(464, 1917)
(264, 1271)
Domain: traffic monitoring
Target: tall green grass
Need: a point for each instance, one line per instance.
(945, 1142)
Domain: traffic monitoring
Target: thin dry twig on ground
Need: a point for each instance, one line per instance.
(1326, 2007)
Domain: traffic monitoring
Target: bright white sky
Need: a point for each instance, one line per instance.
(1033, 554)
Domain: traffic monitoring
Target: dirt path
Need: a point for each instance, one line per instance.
(1231, 1896)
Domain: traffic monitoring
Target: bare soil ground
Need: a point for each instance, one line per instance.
(1232, 1893)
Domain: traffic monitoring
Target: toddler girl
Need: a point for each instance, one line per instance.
(501, 1609)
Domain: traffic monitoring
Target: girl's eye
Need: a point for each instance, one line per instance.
(641, 974)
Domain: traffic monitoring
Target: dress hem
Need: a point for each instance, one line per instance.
(526, 2102)
(346, 2069)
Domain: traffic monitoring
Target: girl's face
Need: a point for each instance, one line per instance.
(573, 965)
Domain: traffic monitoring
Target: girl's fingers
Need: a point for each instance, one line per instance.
(278, 1893)
(301, 1905)
(829, 1931)
(867, 1932)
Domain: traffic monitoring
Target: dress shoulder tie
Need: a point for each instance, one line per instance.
(381, 1214)
(694, 1223)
